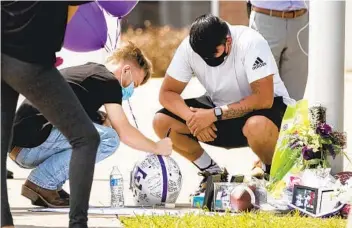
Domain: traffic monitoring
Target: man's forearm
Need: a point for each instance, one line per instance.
(136, 140)
(175, 104)
(243, 107)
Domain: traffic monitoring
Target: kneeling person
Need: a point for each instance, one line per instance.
(245, 99)
(38, 144)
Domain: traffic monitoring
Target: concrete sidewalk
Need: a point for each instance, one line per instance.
(145, 104)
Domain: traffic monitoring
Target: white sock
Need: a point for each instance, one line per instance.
(266, 168)
(205, 163)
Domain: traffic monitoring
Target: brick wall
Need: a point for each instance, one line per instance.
(234, 12)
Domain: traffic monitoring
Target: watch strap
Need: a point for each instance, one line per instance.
(215, 112)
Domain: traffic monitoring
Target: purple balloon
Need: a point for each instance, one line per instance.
(87, 30)
(118, 8)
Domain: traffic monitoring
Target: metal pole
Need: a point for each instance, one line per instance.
(215, 7)
(186, 9)
(163, 11)
(326, 63)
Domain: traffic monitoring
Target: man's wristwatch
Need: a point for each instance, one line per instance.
(218, 112)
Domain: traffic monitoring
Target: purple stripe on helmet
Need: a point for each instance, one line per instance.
(164, 173)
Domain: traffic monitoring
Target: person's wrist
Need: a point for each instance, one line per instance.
(187, 115)
(224, 108)
(154, 147)
(214, 117)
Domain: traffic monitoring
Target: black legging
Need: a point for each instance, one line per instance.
(46, 89)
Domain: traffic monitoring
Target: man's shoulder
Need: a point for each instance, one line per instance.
(91, 66)
(246, 38)
(185, 46)
(245, 34)
(89, 70)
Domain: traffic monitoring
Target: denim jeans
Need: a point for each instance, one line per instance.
(51, 159)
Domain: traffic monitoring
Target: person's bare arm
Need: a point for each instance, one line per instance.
(262, 97)
(170, 97)
(131, 136)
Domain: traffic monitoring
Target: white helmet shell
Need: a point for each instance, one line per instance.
(155, 180)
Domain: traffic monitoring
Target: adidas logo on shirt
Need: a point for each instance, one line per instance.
(258, 63)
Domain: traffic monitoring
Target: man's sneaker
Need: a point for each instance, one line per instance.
(258, 172)
(205, 174)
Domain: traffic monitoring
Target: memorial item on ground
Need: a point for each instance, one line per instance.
(156, 180)
(305, 141)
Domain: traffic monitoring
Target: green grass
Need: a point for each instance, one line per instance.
(257, 220)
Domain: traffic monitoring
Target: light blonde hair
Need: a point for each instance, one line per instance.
(131, 52)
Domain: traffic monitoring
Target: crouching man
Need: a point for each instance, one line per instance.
(38, 145)
(245, 100)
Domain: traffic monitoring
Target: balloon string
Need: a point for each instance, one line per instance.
(134, 118)
(106, 48)
(110, 40)
(118, 31)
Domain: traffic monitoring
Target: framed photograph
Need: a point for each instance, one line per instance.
(305, 198)
(327, 203)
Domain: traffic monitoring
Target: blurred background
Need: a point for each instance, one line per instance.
(158, 27)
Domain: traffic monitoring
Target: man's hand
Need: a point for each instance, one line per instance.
(163, 147)
(200, 119)
(107, 122)
(207, 134)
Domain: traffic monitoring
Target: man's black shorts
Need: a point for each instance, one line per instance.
(229, 132)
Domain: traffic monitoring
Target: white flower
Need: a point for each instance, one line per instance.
(343, 192)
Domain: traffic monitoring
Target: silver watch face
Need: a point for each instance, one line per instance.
(217, 111)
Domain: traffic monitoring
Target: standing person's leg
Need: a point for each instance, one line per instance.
(51, 94)
(9, 99)
(294, 63)
(274, 30)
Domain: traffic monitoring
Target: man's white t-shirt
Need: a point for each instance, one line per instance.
(250, 59)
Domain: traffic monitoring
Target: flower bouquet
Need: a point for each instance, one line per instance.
(316, 141)
(305, 142)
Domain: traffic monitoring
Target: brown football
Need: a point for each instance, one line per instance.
(240, 199)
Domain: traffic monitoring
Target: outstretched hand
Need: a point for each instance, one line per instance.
(164, 147)
(200, 119)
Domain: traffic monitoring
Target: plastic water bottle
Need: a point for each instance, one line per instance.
(116, 188)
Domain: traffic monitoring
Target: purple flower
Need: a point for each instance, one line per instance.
(307, 153)
(324, 130)
(331, 150)
(294, 144)
(339, 139)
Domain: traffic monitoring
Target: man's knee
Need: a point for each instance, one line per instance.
(109, 138)
(160, 124)
(258, 126)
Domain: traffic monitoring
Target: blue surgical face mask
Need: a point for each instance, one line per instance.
(128, 91)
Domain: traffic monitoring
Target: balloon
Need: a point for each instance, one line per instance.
(59, 61)
(71, 11)
(118, 8)
(87, 31)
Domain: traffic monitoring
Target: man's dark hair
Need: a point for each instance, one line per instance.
(207, 32)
